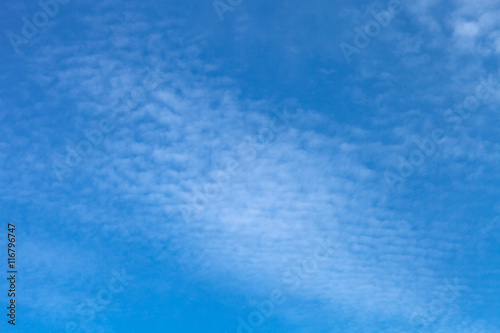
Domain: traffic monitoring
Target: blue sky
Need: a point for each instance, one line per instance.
(252, 166)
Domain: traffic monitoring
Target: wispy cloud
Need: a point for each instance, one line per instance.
(260, 190)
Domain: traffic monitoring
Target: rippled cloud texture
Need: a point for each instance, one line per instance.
(252, 166)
